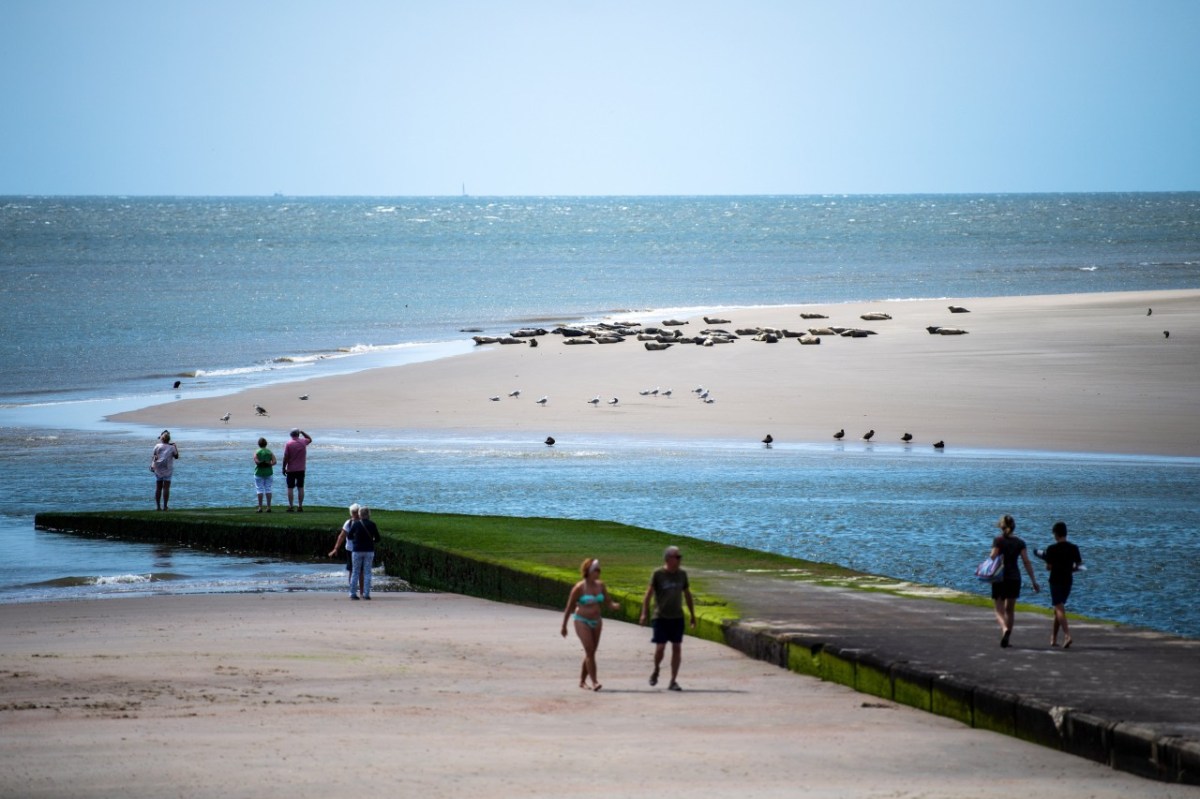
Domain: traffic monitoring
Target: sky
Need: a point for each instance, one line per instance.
(596, 97)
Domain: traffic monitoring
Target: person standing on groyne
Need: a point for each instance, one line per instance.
(264, 468)
(295, 456)
(162, 465)
(1006, 591)
(668, 589)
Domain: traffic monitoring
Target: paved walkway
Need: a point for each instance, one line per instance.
(1121, 695)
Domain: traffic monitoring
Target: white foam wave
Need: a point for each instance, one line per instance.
(122, 579)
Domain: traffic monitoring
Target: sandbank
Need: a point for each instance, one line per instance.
(1072, 373)
(438, 695)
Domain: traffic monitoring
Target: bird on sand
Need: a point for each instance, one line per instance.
(225, 418)
(549, 441)
(839, 435)
(770, 438)
(1166, 334)
(869, 435)
(594, 401)
(907, 437)
(543, 401)
(613, 401)
(1149, 311)
(304, 396)
(495, 398)
(516, 392)
(666, 394)
(261, 411)
(940, 445)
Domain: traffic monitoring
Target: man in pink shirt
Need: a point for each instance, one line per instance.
(295, 453)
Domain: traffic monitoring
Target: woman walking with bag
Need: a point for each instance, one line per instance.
(1006, 591)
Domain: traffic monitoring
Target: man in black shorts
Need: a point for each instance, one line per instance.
(669, 588)
(295, 457)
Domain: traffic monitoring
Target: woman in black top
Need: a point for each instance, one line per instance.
(1006, 591)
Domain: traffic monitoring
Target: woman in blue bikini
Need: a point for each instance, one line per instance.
(584, 605)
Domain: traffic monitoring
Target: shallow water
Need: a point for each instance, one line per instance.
(905, 512)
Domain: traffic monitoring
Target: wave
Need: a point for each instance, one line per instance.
(110, 580)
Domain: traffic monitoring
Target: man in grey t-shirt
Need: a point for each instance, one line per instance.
(668, 588)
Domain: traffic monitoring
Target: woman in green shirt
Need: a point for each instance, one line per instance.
(264, 461)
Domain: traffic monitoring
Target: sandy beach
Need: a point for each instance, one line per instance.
(437, 695)
(1075, 373)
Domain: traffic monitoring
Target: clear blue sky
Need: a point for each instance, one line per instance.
(598, 97)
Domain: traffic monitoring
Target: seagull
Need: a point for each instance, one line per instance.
(907, 437)
(549, 441)
(494, 398)
(261, 411)
(303, 396)
(839, 435)
(177, 383)
(543, 401)
(594, 401)
(869, 435)
(516, 392)
(768, 440)
(704, 394)
(1166, 334)
(1149, 311)
(698, 390)
(645, 392)
(709, 400)
(225, 418)
(613, 401)
(667, 393)
(940, 445)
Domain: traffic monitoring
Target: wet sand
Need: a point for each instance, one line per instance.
(1074, 373)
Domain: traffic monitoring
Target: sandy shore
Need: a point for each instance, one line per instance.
(440, 696)
(1086, 372)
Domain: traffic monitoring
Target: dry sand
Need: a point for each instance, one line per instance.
(1085, 372)
(311, 695)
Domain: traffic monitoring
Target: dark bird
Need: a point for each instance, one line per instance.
(1149, 311)
(304, 396)
(1166, 334)
(543, 401)
(940, 445)
(613, 401)
(907, 437)
(225, 418)
(516, 392)
(869, 435)
(261, 411)
(839, 435)
(768, 439)
(177, 383)
(549, 441)
(494, 398)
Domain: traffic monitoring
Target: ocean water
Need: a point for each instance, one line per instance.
(105, 302)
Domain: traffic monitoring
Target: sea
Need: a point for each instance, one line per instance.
(106, 302)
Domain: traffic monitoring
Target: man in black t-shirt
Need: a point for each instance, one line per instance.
(1063, 560)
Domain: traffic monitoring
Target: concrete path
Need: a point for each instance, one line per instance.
(1120, 695)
